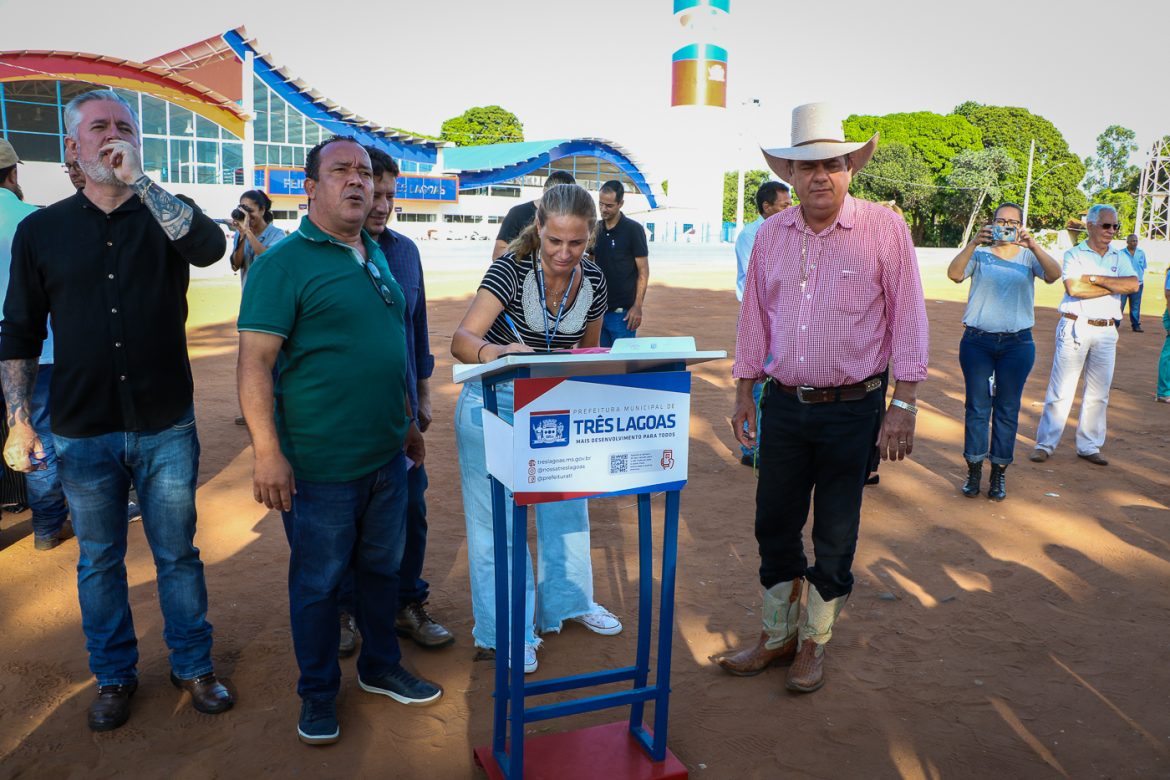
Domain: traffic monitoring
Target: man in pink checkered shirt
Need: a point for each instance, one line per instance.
(833, 297)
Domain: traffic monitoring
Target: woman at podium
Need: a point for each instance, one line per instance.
(541, 295)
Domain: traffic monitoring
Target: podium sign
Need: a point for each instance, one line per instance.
(575, 437)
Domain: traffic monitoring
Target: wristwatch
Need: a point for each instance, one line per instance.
(1093, 279)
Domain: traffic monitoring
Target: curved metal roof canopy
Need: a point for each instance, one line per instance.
(479, 166)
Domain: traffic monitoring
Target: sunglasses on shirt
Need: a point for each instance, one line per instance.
(379, 285)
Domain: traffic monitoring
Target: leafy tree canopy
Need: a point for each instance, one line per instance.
(483, 125)
(934, 138)
(751, 182)
(1110, 168)
(1057, 172)
(896, 173)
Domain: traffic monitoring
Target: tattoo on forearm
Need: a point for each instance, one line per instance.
(172, 214)
(19, 378)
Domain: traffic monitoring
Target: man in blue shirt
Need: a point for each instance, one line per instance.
(46, 498)
(1138, 258)
(771, 197)
(402, 256)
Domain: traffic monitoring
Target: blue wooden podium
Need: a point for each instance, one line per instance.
(619, 750)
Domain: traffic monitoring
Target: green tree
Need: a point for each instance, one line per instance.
(482, 125)
(751, 182)
(1110, 168)
(897, 173)
(935, 139)
(1057, 171)
(977, 177)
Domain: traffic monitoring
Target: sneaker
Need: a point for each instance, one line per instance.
(403, 687)
(530, 663)
(318, 723)
(601, 622)
(1163, 399)
(349, 636)
(1038, 455)
(133, 511)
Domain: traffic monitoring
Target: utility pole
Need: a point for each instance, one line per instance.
(1028, 184)
(742, 165)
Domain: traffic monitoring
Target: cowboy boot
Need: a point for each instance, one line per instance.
(997, 490)
(974, 475)
(777, 642)
(807, 673)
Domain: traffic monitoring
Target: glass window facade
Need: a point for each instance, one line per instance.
(178, 146)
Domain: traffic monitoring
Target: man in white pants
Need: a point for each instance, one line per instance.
(1095, 277)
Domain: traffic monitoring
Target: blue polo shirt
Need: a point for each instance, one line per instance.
(1081, 261)
(1138, 260)
(743, 253)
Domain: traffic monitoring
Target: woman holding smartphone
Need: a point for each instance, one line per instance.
(541, 295)
(997, 351)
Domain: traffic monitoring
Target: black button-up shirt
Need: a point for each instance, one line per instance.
(116, 288)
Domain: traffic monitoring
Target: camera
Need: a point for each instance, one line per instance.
(240, 213)
(1000, 233)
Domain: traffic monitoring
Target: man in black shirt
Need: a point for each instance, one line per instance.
(523, 215)
(622, 254)
(110, 265)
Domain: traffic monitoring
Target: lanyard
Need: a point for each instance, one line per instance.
(548, 335)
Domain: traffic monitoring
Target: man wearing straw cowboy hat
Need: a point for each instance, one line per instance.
(832, 298)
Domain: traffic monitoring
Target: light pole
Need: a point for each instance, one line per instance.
(1030, 181)
(742, 164)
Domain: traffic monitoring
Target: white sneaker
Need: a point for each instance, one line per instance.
(529, 659)
(601, 622)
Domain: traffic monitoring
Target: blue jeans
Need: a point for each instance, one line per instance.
(613, 327)
(1010, 357)
(1135, 306)
(96, 473)
(46, 497)
(411, 586)
(564, 575)
(335, 526)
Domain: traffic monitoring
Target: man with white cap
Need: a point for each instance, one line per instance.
(833, 297)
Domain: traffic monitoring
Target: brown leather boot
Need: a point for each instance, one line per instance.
(807, 672)
(752, 660)
(777, 643)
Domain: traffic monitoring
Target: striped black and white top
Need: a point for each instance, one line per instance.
(515, 283)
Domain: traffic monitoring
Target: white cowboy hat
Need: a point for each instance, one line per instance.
(818, 134)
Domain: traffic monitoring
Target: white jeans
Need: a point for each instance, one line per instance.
(1079, 346)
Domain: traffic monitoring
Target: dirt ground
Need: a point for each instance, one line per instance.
(1022, 639)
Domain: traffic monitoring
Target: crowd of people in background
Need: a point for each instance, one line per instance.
(334, 376)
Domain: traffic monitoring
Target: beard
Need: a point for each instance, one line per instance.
(97, 171)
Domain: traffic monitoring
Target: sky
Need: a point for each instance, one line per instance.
(601, 68)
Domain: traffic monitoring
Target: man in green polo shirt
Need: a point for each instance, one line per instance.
(333, 434)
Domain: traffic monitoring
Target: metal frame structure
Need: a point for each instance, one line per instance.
(507, 746)
(1153, 207)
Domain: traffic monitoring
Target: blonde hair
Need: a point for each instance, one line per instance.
(562, 200)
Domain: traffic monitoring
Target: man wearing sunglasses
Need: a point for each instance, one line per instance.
(1095, 277)
(334, 459)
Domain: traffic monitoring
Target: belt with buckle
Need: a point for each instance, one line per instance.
(1098, 323)
(825, 395)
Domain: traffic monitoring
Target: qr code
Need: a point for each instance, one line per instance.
(619, 464)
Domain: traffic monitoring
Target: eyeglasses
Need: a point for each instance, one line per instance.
(379, 285)
(1109, 225)
(1008, 223)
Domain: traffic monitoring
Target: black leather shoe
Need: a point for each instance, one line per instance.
(415, 622)
(111, 708)
(208, 695)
